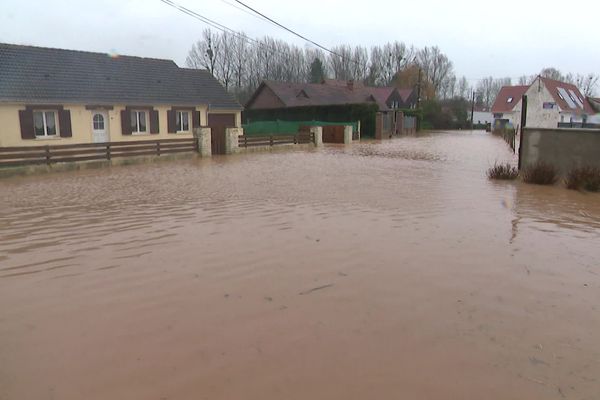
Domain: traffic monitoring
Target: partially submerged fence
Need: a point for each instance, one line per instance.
(510, 137)
(578, 125)
(274, 140)
(286, 128)
(49, 154)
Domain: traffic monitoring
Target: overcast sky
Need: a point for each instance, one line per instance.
(500, 38)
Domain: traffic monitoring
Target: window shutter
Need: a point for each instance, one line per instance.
(64, 123)
(171, 121)
(126, 122)
(26, 119)
(196, 119)
(153, 121)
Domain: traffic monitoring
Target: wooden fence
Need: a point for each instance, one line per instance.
(49, 154)
(510, 136)
(274, 140)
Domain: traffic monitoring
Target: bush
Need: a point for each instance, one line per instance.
(587, 178)
(540, 173)
(502, 171)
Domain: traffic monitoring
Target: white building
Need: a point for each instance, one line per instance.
(481, 116)
(549, 103)
(506, 110)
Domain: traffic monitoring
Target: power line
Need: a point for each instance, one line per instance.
(207, 20)
(226, 29)
(290, 30)
(247, 12)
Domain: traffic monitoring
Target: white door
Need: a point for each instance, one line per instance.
(100, 126)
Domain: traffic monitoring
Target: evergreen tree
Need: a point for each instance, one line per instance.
(317, 72)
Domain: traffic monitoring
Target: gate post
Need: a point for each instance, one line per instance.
(348, 134)
(203, 134)
(317, 131)
(232, 142)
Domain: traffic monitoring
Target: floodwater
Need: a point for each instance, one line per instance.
(390, 270)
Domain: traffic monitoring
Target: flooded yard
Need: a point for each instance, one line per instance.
(390, 270)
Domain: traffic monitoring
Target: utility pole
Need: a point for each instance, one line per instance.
(419, 100)
(472, 109)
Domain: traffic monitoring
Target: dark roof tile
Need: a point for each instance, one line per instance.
(46, 75)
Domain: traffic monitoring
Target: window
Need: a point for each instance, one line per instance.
(44, 123)
(559, 94)
(182, 121)
(98, 122)
(138, 121)
(510, 99)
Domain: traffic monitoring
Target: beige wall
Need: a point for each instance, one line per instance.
(81, 125)
(537, 116)
(563, 148)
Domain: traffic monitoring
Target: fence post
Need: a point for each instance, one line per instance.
(158, 148)
(245, 141)
(108, 151)
(271, 140)
(296, 139)
(47, 154)
(523, 124)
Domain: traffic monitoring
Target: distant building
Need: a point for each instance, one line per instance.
(313, 100)
(506, 110)
(273, 95)
(550, 104)
(481, 115)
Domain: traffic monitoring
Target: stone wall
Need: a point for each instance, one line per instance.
(563, 148)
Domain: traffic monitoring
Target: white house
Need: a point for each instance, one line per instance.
(506, 110)
(550, 104)
(481, 116)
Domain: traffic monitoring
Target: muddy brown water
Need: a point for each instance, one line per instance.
(381, 270)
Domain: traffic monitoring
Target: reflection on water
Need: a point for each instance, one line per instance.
(344, 272)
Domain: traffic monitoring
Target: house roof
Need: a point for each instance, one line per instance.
(329, 92)
(405, 93)
(507, 98)
(595, 103)
(315, 94)
(47, 75)
(567, 96)
(381, 95)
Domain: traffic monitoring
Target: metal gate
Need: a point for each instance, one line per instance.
(333, 134)
(218, 124)
(217, 139)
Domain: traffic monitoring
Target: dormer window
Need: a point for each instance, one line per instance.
(510, 100)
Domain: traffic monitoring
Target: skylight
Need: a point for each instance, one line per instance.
(510, 99)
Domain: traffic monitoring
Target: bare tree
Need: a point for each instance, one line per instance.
(552, 73)
(204, 52)
(435, 65)
(463, 88)
(587, 83)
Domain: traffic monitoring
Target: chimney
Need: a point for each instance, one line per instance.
(351, 84)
